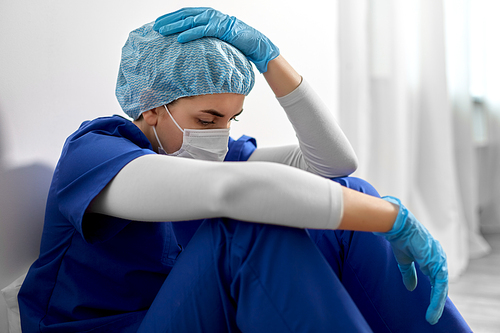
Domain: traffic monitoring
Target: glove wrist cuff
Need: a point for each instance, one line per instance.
(398, 225)
(261, 65)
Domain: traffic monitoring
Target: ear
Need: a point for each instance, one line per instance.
(151, 116)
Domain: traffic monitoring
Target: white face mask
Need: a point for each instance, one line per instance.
(208, 145)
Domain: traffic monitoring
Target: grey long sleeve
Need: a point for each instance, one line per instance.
(323, 147)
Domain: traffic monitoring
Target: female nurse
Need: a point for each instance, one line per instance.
(272, 245)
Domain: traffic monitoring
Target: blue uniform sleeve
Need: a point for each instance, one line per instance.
(241, 149)
(91, 157)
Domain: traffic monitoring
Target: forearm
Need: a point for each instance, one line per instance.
(366, 213)
(281, 77)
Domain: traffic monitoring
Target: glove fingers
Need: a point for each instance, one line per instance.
(206, 24)
(193, 34)
(438, 299)
(185, 24)
(178, 15)
(409, 276)
(175, 27)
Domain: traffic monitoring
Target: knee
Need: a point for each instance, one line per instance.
(357, 184)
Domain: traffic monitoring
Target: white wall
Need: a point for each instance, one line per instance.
(59, 62)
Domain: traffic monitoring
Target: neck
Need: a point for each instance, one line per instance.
(148, 132)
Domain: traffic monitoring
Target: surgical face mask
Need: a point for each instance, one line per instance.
(208, 144)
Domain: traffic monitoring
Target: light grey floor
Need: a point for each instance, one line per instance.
(477, 293)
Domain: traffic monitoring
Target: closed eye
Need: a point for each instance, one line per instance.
(206, 123)
(217, 114)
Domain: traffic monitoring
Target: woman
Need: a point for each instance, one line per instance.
(109, 262)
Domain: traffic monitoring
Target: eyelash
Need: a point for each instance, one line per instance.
(206, 123)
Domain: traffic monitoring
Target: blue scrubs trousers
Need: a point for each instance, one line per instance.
(246, 277)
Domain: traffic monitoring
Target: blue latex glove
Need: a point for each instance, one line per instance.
(194, 23)
(411, 242)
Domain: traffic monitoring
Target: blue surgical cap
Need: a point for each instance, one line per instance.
(156, 70)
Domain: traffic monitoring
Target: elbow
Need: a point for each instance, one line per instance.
(223, 193)
(342, 168)
(352, 164)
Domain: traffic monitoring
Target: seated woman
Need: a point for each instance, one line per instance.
(271, 245)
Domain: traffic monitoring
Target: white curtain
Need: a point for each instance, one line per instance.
(458, 44)
(408, 124)
(487, 86)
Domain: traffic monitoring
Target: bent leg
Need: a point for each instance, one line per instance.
(236, 276)
(366, 266)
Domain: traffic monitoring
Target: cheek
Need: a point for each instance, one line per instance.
(171, 137)
(174, 140)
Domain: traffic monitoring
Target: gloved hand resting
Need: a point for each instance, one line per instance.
(411, 242)
(194, 23)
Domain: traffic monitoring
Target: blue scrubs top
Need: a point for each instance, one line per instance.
(97, 272)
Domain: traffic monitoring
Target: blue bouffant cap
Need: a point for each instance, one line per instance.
(156, 70)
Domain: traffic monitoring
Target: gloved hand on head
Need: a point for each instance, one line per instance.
(411, 242)
(194, 23)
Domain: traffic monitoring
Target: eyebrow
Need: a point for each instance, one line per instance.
(218, 114)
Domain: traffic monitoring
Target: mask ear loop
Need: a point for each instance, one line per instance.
(158, 139)
(173, 119)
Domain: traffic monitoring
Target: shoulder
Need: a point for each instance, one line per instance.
(112, 126)
(241, 149)
(100, 148)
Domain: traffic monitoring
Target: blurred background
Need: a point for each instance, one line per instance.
(415, 85)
